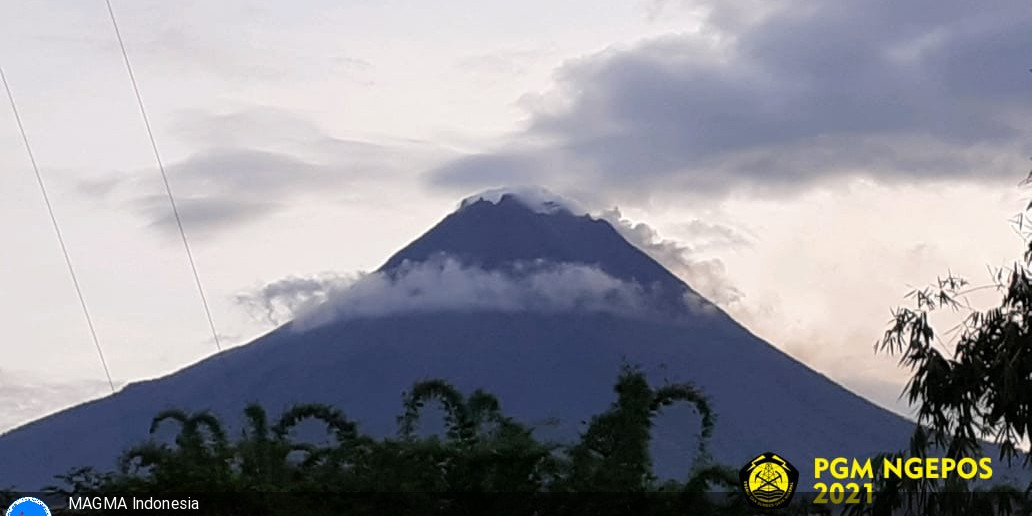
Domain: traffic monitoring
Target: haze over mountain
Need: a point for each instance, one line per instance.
(521, 295)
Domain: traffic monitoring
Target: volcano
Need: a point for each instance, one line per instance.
(524, 297)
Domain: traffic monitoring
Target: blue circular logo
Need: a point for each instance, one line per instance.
(28, 506)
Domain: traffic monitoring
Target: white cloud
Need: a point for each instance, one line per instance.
(444, 284)
(27, 396)
(276, 303)
(707, 276)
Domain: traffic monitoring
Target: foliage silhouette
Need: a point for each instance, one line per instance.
(480, 461)
(979, 391)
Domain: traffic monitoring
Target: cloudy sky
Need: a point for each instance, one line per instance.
(803, 163)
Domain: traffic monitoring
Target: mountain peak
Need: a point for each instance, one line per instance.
(504, 230)
(538, 199)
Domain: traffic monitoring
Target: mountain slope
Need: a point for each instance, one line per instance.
(494, 235)
(543, 365)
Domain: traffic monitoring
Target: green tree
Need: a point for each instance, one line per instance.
(481, 451)
(613, 454)
(970, 384)
(199, 461)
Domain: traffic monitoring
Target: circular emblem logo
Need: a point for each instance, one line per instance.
(28, 506)
(769, 481)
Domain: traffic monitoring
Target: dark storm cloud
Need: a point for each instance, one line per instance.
(897, 91)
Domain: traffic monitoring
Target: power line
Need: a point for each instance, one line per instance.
(57, 230)
(164, 177)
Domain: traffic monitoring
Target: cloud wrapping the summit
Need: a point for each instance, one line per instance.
(447, 285)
